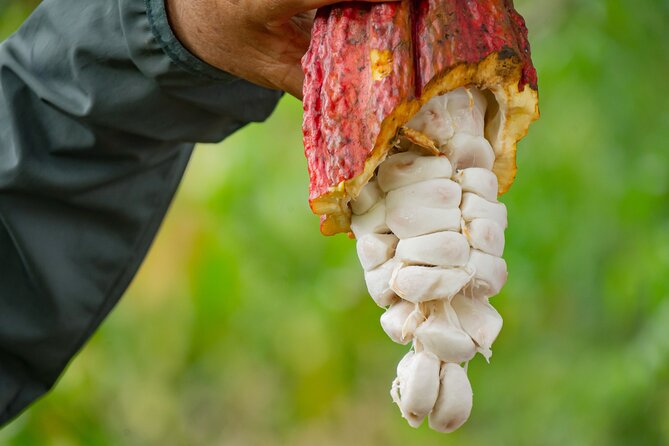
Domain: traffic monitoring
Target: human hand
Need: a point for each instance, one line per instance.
(261, 41)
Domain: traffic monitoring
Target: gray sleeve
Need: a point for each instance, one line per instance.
(99, 109)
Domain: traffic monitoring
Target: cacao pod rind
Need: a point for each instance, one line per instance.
(371, 66)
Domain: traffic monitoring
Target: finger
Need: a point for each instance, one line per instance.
(304, 21)
(293, 81)
(282, 10)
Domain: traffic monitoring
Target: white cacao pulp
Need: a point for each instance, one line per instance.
(430, 236)
(485, 235)
(416, 387)
(480, 181)
(398, 321)
(441, 335)
(375, 249)
(422, 283)
(378, 283)
(447, 248)
(454, 403)
(369, 196)
(407, 168)
(411, 221)
(464, 150)
(371, 222)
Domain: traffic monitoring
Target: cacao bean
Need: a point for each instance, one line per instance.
(454, 403)
(479, 181)
(445, 249)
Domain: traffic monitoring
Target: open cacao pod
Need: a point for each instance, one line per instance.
(370, 68)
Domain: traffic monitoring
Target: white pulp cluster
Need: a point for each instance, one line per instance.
(430, 235)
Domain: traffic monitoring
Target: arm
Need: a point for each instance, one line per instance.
(99, 106)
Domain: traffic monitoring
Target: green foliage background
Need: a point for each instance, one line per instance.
(245, 326)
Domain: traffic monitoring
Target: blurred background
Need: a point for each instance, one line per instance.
(245, 326)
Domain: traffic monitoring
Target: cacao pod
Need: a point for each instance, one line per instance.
(371, 66)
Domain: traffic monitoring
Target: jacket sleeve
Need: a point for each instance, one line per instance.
(99, 108)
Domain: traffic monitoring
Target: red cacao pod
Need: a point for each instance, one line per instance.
(371, 66)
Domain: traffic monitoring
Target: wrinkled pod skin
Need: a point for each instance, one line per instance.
(370, 68)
